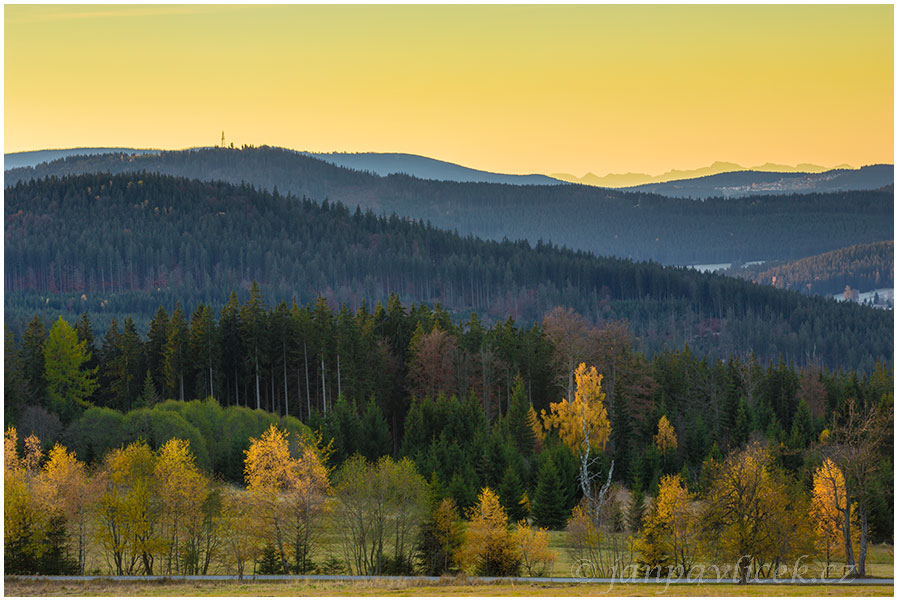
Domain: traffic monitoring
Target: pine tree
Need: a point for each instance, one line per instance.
(741, 425)
(14, 390)
(127, 368)
(548, 504)
(33, 361)
(374, 433)
(253, 332)
(109, 351)
(510, 493)
(803, 431)
(148, 396)
(516, 421)
(205, 349)
(157, 338)
(232, 348)
(177, 353)
(637, 507)
(269, 563)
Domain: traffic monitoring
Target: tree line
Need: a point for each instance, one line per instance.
(164, 240)
(155, 511)
(635, 225)
(461, 400)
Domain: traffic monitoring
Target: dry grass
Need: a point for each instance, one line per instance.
(22, 588)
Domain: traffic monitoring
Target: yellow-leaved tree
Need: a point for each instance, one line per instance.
(64, 485)
(20, 512)
(488, 549)
(827, 512)
(130, 511)
(239, 529)
(670, 529)
(183, 492)
(584, 426)
(537, 558)
(665, 438)
(754, 519)
(289, 494)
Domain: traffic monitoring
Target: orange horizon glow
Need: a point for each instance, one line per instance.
(514, 89)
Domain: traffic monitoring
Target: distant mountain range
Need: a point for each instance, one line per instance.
(718, 179)
(628, 180)
(387, 163)
(31, 158)
(636, 225)
(753, 183)
(379, 163)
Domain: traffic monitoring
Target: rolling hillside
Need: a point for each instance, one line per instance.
(164, 240)
(632, 225)
(746, 183)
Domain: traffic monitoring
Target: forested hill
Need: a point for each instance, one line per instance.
(745, 183)
(112, 245)
(385, 163)
(862, 267)
(639, 226)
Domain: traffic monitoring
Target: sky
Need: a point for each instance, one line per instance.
(514, 89)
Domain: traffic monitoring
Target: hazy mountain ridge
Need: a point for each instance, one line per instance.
(745, 183)
(630, 179)
(422, 167)
(378, 163)
(382, 163)
(607, 222)
(32, 158)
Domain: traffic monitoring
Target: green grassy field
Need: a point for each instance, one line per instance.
(879, 564)
(21, 588)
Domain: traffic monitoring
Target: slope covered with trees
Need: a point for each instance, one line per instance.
(768, 459)
(164, 240)
(862, 267)
(634, 225)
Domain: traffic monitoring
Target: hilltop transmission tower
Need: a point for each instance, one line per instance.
(223, 138)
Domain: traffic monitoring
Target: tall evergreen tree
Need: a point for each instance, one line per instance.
(14, 389)
(33, 361)
(548, 504)
(374, 433)
(177, 353)
(253, 333)
(127, 368)
(69, 385)
(157, 339)
(232, 355)
(511, 491)
(516, 420)
(205, 350)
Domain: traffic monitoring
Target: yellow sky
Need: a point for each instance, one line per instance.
(517, 89)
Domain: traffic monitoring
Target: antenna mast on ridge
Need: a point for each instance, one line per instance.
(223, 138)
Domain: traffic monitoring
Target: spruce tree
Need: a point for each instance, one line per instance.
(157, 337)
(177, 353)
(14, 390)
(374, 433)
(548, 504)
(510, 493)
(741, 425)
(269, 563)
(147, 396)
(33, 361)
(516, 420)
(637, 507)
